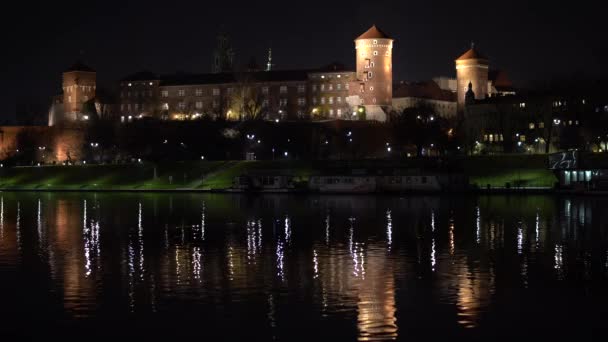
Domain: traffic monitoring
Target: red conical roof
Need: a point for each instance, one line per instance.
(471, 54)
(374, 33)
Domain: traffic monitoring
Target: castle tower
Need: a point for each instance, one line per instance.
(79, 84)
(223, 55)
(374, 72)
(472, 67)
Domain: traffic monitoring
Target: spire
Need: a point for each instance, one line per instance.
(269, 64)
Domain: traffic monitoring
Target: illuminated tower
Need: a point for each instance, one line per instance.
(374, 72)
(471, 67)
(79, 83)
(269, 63)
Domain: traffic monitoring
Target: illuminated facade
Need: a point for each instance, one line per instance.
(79, 86)
(472, 67)
(374, 72)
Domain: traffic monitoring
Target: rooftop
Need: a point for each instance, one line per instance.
(472, 53)
(374, 33)
(79, 66)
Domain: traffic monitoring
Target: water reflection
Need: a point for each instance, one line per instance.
(380, 264)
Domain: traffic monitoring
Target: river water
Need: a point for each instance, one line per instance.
(92, 266)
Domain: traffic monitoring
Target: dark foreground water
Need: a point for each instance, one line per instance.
(232, 267)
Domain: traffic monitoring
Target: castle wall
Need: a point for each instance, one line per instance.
(474, 71)
(374, 71)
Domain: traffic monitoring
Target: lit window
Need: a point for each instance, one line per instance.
(151, 83)
(301, 88)
(283, 102)
(375, 41)
(199, 104)
(339, 99)
(369, 74)
(531, 125)
(375, 53)
(331, 100)
(301, 101)
(283, 90)
(331, 87)
(181, 92)
(130, 84)
(199, 92)
(164, 93)
(216, 91)
(181, 105)
(541, 125)
(522, 138)
(339, 111)
(331, 112)
(485, 137)
(346, 86)
(522, 105)
(576, 122)
(322, 87)
(322, 100)
(371, 88)
(339, 86)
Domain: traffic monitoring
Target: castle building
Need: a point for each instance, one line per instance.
(471, 67)
(79, 86)
(374, 50)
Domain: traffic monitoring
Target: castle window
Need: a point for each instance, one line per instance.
(375, 53)
(181, 105)
(331, 112)
(265, 90)
(331, 100)
(522, 105)
(215, 104)
(331, 87)
(576, 122)
(301, 101)
(301, 88)
(387, 53)
(322, 100)
(199, 92)
(283, 102)
(265, 103)
(339, 99)
(136, 107)
(283, 89)
(541, 125)
(129, 107)
(371, 88)
(199, 104)
(314, 87)
(367, 63)
(375, 41)
(339, 86)
(339, 112)
(314, 100)
(181, 92)
(346, 86)
(164, 93)
(522, 138)
(531, 125)
(216, 91)
(369, 74)
(322, 87)
(86, 98)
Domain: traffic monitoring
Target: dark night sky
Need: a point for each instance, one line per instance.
(529, 40)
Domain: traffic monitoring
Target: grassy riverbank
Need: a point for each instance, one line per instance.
(519, 171)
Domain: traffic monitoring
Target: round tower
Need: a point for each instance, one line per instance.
(79, 83)
(472, 67)
(374, 70)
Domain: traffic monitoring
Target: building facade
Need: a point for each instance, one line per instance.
(471, 67)
(79, 86)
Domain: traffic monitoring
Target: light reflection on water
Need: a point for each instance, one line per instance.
(371, 268)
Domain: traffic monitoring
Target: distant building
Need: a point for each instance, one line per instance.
(374, 73)
(79, 86)
(223, 55)
(428, 94)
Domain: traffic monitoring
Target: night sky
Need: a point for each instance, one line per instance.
(530, 41)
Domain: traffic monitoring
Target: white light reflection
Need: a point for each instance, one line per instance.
(140, 236)
(537, 229)
(280, 260)
(559, 261)
(1, 217)
(254, 240)
(231, 262)
(478, 225)
(39, 220)
(451, 233)
(520, 238)
(327, 224)
(197, 264)
(287, 230)
(389, 229)
(433, 247)
(18, 226)
(203, 222)
(315, 262)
